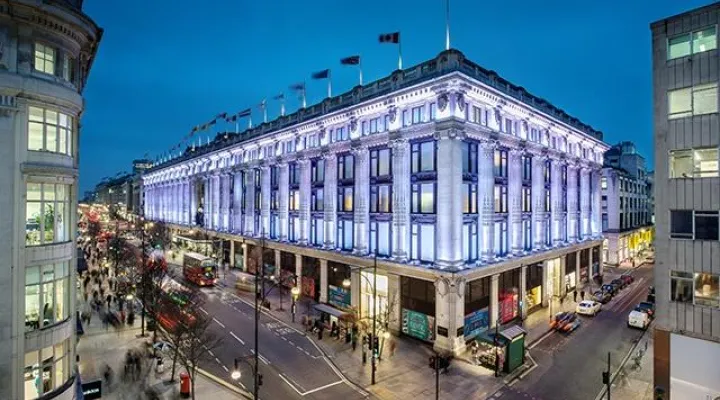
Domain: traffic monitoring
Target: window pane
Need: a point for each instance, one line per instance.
(427, 150)
(383, 233)
(681, 290)
(681, 164)
(48, 217)
(33, 191)
(427, 246)
(384, 199)
(35, 114)
(61, 292)
(706, 163)
(679, 103)
(348, 199)
(427, 198)
(33, 223)
(705, 99)
(707, 290)
(704, 40)
(681, 224)
(62, 141)
(51, 117)
(59, 219)
(706, 225)
(384, 162)
(349, 164)
(35, 136)
(678, 46)
(48, 302)
(32, 307)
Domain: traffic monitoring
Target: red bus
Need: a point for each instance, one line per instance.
(199, 269)
(173, 299)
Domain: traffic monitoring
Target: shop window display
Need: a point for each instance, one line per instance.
(46, 370)
(47, 213)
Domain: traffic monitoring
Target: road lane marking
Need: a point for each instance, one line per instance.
(203, 310)
(543, 337)
(218, 322)
(322, 387)
(225, 368)
(290, 384)
(218, 360)
(260, 356)
(237, 338)
(211, 353)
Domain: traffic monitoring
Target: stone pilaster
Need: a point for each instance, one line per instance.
(401, 198)
(283, 184)
(323, 280)
(305, 196)
(226, 201)
(330, 200)
(249, 212)
(265, 200)
(523, 292)
(216, 202)
(572, 202)
(538, 200)
(595, 204)
(298, 268)
(585, 203)
(206, 200)
(486, 201)
(450, 313)
(361, 214)
(515, 200)
(494, 297)
(448, 206)
(556, 199)
(237, 218)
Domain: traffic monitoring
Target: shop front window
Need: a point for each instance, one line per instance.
(367, 283)
(47, 294)
(46, 370)
(47, 213)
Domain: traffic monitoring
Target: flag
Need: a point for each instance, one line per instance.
(324, 74)
(262, 104)
(352, 60)
(298, 86)
(194, 129)
(232, 119)
(212, 122)
(281, 96)
(244, 113)
(221, 116)
(390, 37)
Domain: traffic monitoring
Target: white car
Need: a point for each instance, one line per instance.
(588, 307)
(638, 319)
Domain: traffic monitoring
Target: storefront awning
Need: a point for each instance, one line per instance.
(330, 310)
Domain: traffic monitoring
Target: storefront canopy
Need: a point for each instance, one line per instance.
(330, 310)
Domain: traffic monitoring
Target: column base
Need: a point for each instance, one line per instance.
(454, 346)
(400, 258)
(328, 246)
(360, 252)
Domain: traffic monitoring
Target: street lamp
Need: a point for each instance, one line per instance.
(236, 374)
(295, 291)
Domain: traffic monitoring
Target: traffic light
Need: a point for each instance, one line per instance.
(431, 363)
(376, 346)
(606, 377)
(260, 377)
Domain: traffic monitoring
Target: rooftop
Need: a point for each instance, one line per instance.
(446, 62)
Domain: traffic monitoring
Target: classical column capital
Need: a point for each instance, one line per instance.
(450, 285)
(449, 133)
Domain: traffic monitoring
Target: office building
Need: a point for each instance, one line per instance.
(480, 200)
(46, 51)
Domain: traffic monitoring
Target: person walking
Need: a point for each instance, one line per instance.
(575, 296)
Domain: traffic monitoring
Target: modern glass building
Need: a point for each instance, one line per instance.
(46, 51)
(479, 200)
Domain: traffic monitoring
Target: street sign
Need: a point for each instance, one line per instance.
(92, 390)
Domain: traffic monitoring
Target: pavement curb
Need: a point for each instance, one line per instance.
(624, 361)
(221, 382)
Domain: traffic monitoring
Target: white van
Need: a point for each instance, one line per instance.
(638, 319)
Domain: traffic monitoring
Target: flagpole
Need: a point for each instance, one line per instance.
(447, 24)
(399, 53)
(360, 69)
(282, 106)
(249, 121)
(329, 78)
(237, 125)
(304, 88)
(264, 107)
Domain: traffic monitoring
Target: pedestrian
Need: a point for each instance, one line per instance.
(582, 295)
(393, 345)
(320, 331)
(562, 299)
(575, 296)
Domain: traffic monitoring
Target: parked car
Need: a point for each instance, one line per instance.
(609, 288)
(588, 307)
(569, 323)
(638, 319)
(618, 283)
(648, 307)
(628, 279)
(602, 296)
(651, 295)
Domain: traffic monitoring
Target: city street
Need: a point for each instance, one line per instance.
(291, 365)
(570, 367)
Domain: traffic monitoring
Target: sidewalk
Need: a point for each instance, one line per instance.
(633, 382)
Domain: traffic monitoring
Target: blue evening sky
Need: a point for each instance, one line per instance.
(165, 66)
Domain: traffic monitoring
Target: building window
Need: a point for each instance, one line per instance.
(527, 234)
(293, 228)
(346, 167)
(501, 160)
(49, 131)
(707, 289)
(469, 198)
(47, 295)
(501, 238)
(380, 162)
(526, 199)
(527, 168)
(692, 43)
(317, 200)
(417, 115)
(604, 222)
(470, 241)
(696, 100)
(423, 198)
(423, 156)
(44, 59)
(345, 199)
(294, 200)
(380, 198)
(67, 70)
(470, 157)
(681, 224)
(547, 200)
(706, 225)
(380, 238)
(422, 242)
(316, 231)
(694, 163)
(47, 213)
(345, 234)
(317, 171)
(501, 199)
(47, 369)
(294, 173)
(433, 111)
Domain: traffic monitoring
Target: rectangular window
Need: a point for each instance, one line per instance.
(692, 43)
(47, 216)
(346, 167)
(294, 173)
(317, 200)
(696, 100)
(707, 289)
(527, 168)
(67, 70)
(417, 115)
(681, 224)
(695, 163)
(706, 225)
(526, 199)
(470, 157)
(345, 234)
(501, 199)
(470, 241)
(316, 231)
(49, 130)
(380, 162)
(501, 238)
(345, 199)
(423, 198)
(478, 116)
(380, 198)
(527, 234)
(380, 238)
(422, 242)
(470, 198)
(44, 59)
(406, 121)
(433, 111)
(47, 295)
(294, 200)
(500, 169)
(548, 203)
(423, 156)
(317, 172)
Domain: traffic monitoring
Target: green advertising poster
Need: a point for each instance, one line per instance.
(418, 325)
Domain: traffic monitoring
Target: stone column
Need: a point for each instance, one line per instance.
(283, 185)
(448, 197)
(245, 257)
(265, 200)
(305, 196)
(249, 212)
(278, 263)
(515, 200)
(538, 200)
(227, 201)
(449, 313)
(298, 268)
(401, 198)
(355, 287)
(595, 204)
(580, 285)
(216, 202)
(232, 254)
(585, 203)
(523, 292)
(546, 296)
(562, 288)
(237, 225)
(330, 200)
(486, 200)
(206, 197)
(361, 214)
(494, 297)
(323, 280)
(555, 194)
(572, 202)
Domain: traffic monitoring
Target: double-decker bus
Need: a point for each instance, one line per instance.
(174, 298)
(199, 269)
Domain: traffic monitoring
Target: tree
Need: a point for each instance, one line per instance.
(159, 235)
(93, 230)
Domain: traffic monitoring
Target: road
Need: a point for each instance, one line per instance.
(569, 367)
(291, 365)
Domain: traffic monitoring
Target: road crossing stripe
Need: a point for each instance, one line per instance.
(237, 338)
(218, 322)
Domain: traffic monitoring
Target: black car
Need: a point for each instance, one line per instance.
(619, 283)
(609, 288)
(601, 296)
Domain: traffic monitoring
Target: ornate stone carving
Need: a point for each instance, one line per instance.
(461, 101)
(392, 114)
(450, 285)
(442, 102)
(353, 124)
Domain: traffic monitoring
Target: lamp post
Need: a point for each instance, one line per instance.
(144, 277)
(236, 374)
(295, 291)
